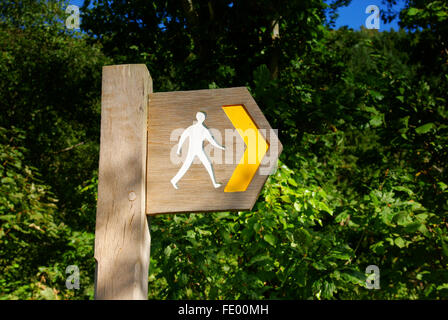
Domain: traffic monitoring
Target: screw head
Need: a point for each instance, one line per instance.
(132, 196)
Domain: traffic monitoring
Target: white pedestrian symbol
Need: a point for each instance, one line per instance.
(196, 134)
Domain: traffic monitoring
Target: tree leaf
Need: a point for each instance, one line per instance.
(425, 128)
(399, 242)
(269, 238)
(413, 11)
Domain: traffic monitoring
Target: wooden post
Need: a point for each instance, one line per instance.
(122, 239)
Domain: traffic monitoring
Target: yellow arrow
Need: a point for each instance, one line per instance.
(256, 148)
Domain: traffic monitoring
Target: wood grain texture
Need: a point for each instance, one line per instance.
(122, 239)
(177, 110)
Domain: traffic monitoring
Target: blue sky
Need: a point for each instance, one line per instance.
(353, 16)
(78, 3)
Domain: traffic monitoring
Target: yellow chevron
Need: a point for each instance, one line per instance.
(256, 148)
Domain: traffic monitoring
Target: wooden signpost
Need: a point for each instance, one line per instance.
(187, 151)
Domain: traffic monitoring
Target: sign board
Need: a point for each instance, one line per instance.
(227, 150)
(189, 151)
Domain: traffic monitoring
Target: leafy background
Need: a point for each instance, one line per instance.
(362, 116)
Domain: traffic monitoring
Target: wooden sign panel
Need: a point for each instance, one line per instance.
(205, 122)
(226, 152)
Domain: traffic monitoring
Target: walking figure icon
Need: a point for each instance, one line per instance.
(197, 134)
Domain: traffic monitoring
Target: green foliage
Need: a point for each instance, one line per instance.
(35, 245)
(202, 42)
(269, 252)
(29, 233)
(362, 179)
(49, 84)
